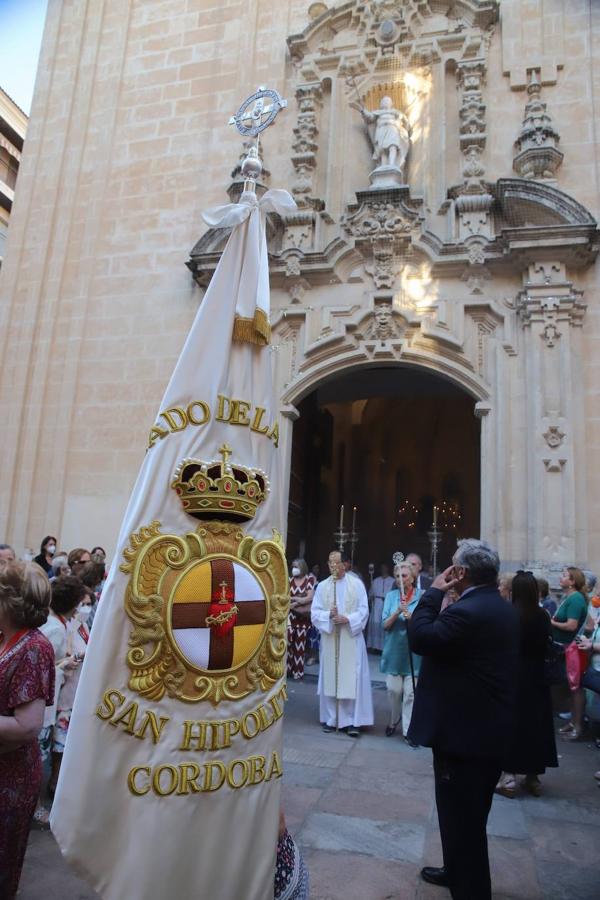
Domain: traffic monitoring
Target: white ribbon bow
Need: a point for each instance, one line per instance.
(232, 214)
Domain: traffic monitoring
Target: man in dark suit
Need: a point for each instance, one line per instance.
(464, 708)
(423, 580)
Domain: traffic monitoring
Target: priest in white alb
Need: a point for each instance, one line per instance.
(340, 610)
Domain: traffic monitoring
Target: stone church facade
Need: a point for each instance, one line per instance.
(475, 262)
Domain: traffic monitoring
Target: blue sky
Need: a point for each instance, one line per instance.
(21, 28)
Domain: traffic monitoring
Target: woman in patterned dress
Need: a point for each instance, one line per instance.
(291, 874)
(302, 589)
(26, 688)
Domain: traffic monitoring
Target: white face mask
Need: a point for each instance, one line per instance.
(295, 571)
(51, 549)
(83, 613)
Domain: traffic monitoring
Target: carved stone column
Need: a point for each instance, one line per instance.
(473, 200)
(551, 312)
(300, 228)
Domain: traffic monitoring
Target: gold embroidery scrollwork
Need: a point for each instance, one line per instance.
(155, 561)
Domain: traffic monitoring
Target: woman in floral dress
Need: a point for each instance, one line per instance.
(26, 688)
(302, 589)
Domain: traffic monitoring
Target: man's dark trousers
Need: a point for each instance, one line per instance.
(464, 789)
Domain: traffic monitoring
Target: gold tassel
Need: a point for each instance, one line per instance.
(252, 331)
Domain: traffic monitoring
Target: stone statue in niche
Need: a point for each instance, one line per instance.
(389, 132)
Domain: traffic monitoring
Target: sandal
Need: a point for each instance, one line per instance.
(507, 788)
(573, 735)
(566, 729)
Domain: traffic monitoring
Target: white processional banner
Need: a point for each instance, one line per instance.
(170, 778)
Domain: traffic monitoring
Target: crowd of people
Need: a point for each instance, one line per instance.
(46, 613)
(475, 664)
(478, 664)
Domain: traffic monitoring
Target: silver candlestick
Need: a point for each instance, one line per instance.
(339, 535)
(435, 539)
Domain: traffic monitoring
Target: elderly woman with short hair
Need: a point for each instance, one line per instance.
(398, 664)
(26, 688)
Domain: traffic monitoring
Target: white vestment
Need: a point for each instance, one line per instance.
(352, 681)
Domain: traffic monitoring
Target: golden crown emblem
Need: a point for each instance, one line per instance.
(220, 489)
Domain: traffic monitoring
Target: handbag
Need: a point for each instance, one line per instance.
(576, 662)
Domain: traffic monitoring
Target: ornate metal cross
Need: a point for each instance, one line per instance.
(255, 114)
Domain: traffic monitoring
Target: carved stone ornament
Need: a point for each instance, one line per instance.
(554, 464)
(471, 78)
(537, 154)
(395, 215)
(382, 326)
(554, 311)
(554, 436)
(382, 269)
(304, 159)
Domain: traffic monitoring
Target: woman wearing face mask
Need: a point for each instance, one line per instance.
(46, 554)
(60, 565)
(67, 594)
(398, 608)
(302, 589)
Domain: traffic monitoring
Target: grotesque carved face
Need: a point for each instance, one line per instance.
(382, 314)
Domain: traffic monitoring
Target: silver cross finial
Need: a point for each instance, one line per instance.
(254, 115)
(258, 111)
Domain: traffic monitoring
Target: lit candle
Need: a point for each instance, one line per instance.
(342, 517)
(354, 519)
(435, 516)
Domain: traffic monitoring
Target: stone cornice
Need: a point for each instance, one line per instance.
(569, 235)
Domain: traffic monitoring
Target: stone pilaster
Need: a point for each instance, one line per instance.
(551, 312)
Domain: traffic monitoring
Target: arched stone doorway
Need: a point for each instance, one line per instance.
(392, 441)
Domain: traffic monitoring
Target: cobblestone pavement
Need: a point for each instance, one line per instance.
(363, 811)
